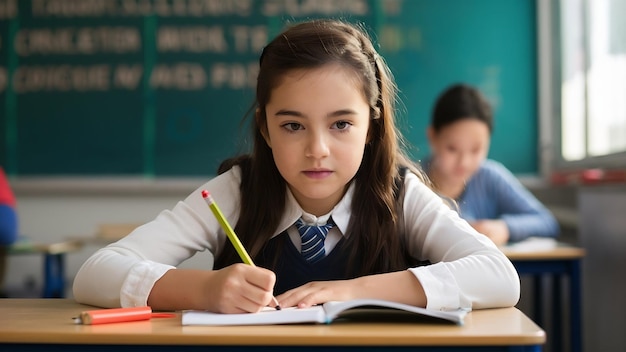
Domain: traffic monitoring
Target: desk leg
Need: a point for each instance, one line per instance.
(557, 313)
(538, 298)
(575, 303)
(54, 272)
(562, 268)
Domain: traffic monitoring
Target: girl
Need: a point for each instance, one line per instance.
(488, 195)
(8, 225)
(8, 215)
(326, 152)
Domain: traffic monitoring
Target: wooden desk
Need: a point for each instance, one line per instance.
(46, 324)
(561, 262)
(54, 262)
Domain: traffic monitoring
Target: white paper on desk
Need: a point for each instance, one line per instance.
(326, 313)
(533, 244)
(266, 316)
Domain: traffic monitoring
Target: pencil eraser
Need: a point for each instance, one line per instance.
(205, 193)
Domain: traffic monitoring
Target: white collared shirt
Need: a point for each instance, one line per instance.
(468, 270)
(332, 237)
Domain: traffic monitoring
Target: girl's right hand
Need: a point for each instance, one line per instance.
(239, 288)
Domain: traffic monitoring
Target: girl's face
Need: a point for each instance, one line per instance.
(459, 149)
(317, 123)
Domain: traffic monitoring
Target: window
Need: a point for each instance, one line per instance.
(592, 84)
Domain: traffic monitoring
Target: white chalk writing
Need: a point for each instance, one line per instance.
(3, 79)
(180, 76)
(314, 7)
(87, 40)
(110, 52)
(195, 39)
(8, 9)
(61, 78)
(137, 8)
(234, 76)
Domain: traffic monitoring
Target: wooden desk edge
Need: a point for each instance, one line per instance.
(241, 339)
(67, 246)
(55, 326)
(557, 253)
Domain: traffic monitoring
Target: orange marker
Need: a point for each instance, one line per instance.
(118, 315)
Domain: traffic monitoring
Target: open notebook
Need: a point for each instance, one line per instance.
(370, 309)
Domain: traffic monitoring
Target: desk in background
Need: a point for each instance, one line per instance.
(561, 262)
(54, 254)
(53, 262)
(46, 325)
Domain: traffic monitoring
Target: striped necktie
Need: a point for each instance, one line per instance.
(313, 239)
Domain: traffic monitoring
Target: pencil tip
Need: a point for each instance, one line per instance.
(276, 304)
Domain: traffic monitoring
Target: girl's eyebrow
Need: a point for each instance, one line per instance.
(283, 112)
(337, 113)
(342, 112)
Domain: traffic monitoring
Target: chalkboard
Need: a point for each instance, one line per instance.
(159, 88)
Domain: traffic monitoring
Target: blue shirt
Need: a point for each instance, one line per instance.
(493, 192)
(8, 216)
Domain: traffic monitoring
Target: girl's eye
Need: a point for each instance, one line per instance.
(342, 125)
(292, 126)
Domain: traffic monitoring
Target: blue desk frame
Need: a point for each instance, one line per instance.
(558, 269)
(54, 275)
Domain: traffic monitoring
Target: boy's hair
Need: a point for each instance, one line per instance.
(376, 207)
(460, 102)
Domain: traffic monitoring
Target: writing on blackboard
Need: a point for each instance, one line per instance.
(195, 8)
(8, 9)
(168, 71)
(124, 39)
(76, 41)
(179, 76)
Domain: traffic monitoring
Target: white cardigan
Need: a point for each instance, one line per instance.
(468, 270)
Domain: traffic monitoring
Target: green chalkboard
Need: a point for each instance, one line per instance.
(159, 88)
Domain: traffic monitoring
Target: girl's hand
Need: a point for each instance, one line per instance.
(317, 292)
(496, 230)
(407, 290)
(239, 288)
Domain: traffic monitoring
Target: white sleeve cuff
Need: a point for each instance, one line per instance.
(139, 282)
(442, 292)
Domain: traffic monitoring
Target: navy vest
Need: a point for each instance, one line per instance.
(292, 270)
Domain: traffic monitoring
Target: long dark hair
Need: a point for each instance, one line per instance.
(376, 208)
(458, 102)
